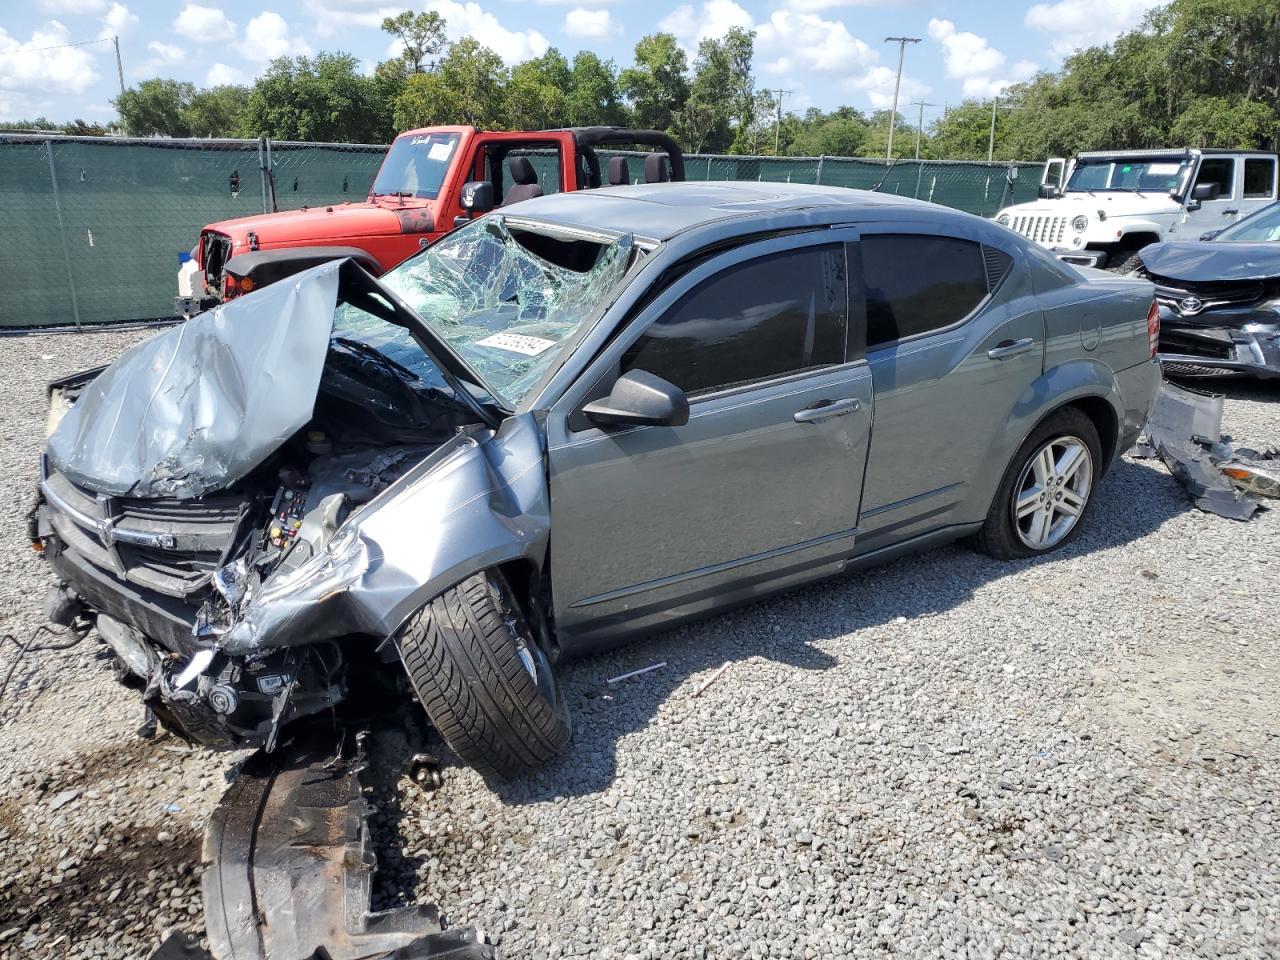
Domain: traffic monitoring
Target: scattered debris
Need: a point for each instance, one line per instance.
(64, 798)
(636, 673)
(711, 679)
(289, 868)
(1185, 431)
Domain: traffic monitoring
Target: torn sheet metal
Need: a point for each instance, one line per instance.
(1185, 431)
(289, 868)
(198, 406)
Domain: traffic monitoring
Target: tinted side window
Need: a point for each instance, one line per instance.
(1259, 177)
(1219, 170)
(916, 284)
(753, 321)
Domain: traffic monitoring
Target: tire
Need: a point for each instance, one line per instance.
(472, 659)
(1042, 531)
(1130, 262)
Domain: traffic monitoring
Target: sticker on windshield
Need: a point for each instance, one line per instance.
(1163, 169)
(517, 343)
(440, 151)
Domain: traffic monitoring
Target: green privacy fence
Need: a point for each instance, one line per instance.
(91, 227)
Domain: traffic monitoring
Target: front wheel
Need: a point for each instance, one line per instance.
(483, 680)
(1046, 490)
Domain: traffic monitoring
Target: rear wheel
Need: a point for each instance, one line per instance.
(1046, 490)
(483, 680)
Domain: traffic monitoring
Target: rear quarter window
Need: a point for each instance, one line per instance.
(917, 284)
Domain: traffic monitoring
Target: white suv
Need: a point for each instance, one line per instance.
(1102, 207)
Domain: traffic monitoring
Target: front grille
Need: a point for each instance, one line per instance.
(1210, 293)
(1040, 228)
(169, 546)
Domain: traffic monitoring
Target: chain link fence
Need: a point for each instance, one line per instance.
(91, 228)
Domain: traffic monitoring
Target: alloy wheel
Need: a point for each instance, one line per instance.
(1052, 492)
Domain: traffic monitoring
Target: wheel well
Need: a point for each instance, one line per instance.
(532, 589)
(1105, 422)
(1136, 241)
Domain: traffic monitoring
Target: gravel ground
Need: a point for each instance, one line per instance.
(944, 757)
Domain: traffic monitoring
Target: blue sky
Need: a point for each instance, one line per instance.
(826, 52)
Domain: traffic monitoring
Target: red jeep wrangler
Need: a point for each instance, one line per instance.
(430, 181)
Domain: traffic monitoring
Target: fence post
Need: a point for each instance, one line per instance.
(818, 180)
(919, 174)
(262, 172)
(62, 233)
(708, 176)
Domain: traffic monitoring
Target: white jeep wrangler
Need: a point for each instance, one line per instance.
(1102, 207)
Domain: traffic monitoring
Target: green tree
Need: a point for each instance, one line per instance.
(537, 94)
(655, 86)
(156, 108)
(961, 133)
(216, 112)
(721, 102)
(423, 37)
(840, 133)
(593, 93)
(467, 87)
(323, 98)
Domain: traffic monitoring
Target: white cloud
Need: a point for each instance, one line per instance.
(711, 21)
(117, 22)
(165, 52)
(589, 24)
(576, 3)
(221, 75)
(204, 24)
(806, 41)
(1075, 24)
(971, 59)
(83, 7)
(877, 84)
(30, 74)
(268, 36)
(470, 19)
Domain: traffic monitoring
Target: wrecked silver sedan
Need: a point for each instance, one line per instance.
(341, 485)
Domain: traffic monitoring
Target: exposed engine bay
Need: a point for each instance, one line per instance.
(166, 577)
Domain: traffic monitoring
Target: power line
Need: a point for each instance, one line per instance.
(57, 46)
(893, 114)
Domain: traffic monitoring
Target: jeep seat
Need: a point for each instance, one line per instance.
(526, 181)
(656, 168)
(619, 172)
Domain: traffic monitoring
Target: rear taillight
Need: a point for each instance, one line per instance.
(1153, 327)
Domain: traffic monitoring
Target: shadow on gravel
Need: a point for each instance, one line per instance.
(1134, 500)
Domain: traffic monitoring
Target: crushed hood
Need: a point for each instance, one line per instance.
(1211, 260)
(197, 407)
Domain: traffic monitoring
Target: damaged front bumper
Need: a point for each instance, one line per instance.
(1220, 342)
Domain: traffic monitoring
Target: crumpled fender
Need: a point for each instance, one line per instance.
(471, 505)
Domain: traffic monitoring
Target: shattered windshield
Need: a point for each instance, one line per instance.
(1155, 176)
(505, 299)
(415, 166)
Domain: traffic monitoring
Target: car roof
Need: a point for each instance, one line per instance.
(660, 211)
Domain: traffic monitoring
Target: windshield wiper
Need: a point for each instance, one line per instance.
(378, 357)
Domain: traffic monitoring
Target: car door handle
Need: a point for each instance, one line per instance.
(1010, 348)
(825, 409)
(1229, 213)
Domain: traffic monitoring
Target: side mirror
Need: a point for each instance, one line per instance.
(1210, 235)
(1048, 191)
(477, 196)
(639, 398)
(1205, 191)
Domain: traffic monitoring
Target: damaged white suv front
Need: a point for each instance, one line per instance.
(1103, 207)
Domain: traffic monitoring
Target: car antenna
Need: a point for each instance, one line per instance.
(887, 170)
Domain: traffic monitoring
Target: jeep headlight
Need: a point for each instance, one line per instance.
(1080, 223)
(1003, 219)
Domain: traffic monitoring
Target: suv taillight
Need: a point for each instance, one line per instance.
(1153, 327)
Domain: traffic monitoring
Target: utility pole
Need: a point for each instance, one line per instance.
(777, 120)
(920, 122)
(893, 115)
(991, 140)
(119, 64)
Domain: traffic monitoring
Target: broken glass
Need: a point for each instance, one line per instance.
(506, 310)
